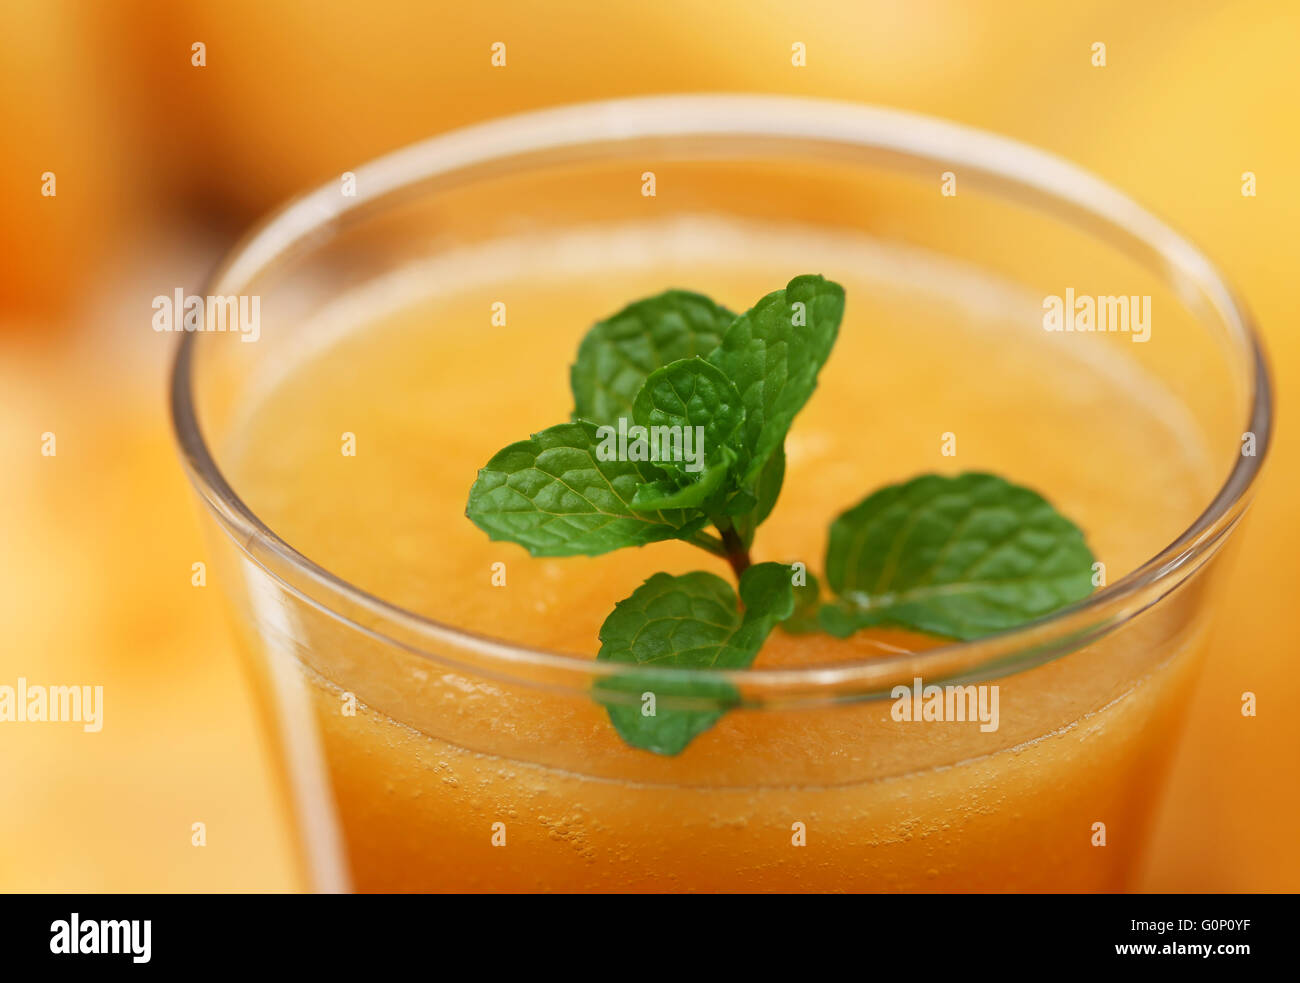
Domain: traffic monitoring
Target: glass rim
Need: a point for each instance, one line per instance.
(793, 120)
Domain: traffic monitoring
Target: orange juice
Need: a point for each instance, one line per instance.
(359, 451)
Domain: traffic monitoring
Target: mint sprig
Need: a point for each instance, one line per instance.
(681, 413)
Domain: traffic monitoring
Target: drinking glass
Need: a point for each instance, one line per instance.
(419, 754)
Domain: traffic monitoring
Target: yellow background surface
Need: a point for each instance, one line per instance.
(160, 164)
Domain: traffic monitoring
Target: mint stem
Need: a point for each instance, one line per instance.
(737, 553)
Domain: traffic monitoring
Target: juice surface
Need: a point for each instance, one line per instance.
(928, 357)
(433, 389)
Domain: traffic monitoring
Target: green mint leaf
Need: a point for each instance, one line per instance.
(668, 493)
(773, 353)
(618, 354)
(807, 604)
(767, 489)
(686, 622)
(961, 557)
(691, 415)
(554, 495)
